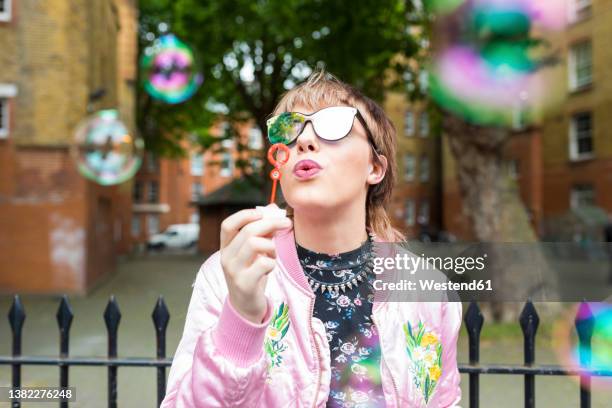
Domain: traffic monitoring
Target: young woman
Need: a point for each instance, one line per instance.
(285, 314)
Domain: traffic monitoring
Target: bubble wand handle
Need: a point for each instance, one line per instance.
(276, 174)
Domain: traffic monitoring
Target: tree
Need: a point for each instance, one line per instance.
(252, 51)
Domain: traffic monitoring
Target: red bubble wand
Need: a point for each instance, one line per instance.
(275, 174)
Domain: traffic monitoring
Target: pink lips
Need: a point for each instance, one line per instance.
(305, 169)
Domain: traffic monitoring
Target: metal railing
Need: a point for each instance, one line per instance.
(473, 319)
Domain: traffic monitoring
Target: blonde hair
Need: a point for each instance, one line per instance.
(324, 89)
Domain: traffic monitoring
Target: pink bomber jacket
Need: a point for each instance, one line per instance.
(224, 360)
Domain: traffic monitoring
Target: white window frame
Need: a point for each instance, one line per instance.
(152, 219)
(577, 194)
(572, 65)
(424, 124)
(136, 227)
(226, 171)
(424, 212)
(255, 138)
(579, 10)
(409, 123)
(196, 191)
(196, 164)
(410, 212)
(574, 154)
(4, 117)
(152, 185)
(424, 167)
(409, 167)
(7, 14)
(7, 91)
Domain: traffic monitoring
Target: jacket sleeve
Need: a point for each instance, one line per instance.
(449, 383)
(219, 361)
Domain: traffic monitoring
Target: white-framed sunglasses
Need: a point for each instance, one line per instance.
(332, 123)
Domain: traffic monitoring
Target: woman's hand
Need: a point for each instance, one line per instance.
(248, 255)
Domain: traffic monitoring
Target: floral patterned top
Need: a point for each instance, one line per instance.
(352, 335)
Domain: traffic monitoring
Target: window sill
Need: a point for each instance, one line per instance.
(581, 89)
(582, 158)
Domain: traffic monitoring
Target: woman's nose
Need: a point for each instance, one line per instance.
(307, 140)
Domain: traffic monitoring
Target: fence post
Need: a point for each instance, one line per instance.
(64, 321)
(473, 323)
(529, 321)
(112, 316)
(16, 318)
(160, 321)
(584, 327)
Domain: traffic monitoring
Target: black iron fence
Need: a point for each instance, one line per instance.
(473, 319)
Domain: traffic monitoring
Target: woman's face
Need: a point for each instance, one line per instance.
(322, 175)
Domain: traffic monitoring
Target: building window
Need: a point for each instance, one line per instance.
(255, 138)
(256, 164)
(409, 123)
(227, 165)
(197, 164)
(4, 118)
(424, 124)
(135, 226)
(580, 65)
(409, 167)
(424, 212)
(196, 190)
(581, 136)
(582, 196)
(409, 212)
(194, 218)
(152, 162)
(579, 10)
(5, 10)
(137, 193)
(424, 169)
(152, 224)
(514, 169)
(153, 192)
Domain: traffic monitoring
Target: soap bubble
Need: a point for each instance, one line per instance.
(169, 70)
(577, 357)
(488, 66)
(104, 150)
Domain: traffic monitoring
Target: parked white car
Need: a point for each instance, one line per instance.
(176, 236)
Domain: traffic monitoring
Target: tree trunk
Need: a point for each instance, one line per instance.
(492, 203)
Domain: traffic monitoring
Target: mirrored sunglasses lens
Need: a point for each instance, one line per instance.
(285, 127)
(334, 123)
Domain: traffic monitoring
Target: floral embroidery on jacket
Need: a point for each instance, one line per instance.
(425, 352)
(277, 329)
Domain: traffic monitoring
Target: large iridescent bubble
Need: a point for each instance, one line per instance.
(169, 70)
(488, 65)
(104, 150)
(593, 318)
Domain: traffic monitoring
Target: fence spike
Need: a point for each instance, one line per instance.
(473, 323)
(64, 315)
(160, 315)
(112, 315)
(529, 320)
(16, 315)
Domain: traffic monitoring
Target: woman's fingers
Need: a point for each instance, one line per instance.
(254, 246)
(262, 228)
(235, 222)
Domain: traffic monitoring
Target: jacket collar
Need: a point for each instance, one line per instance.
(287, 254)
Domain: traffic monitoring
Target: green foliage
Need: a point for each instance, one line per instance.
(251, 51)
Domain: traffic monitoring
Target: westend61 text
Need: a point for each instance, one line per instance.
(432, 285)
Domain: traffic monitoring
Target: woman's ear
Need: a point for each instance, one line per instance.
(377, 170)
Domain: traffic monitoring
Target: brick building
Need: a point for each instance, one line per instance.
(565, 163)
(59, 233)
(416, 203)
(166, 190)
